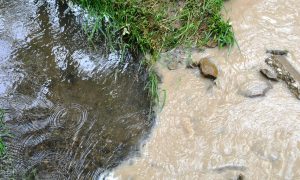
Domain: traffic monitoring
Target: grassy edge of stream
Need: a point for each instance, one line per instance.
(151, 27)
(5, 159)
(2, 133)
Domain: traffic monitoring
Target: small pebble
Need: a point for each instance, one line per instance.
(172, 65)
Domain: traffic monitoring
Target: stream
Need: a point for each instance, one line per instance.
(74, 110)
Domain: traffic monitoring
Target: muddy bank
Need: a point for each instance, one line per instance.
(208, 130)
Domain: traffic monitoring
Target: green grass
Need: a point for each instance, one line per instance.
(2, 148)
(152, 86)
(151, 26)
(220, 31)
(7, 169)
(2, 132)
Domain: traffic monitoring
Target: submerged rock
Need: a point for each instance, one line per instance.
(231, 167)
(172, 65)
(277, 52)
(192, 64)
(240, 177)
(255, 88)
(269, 74)
(208, 68)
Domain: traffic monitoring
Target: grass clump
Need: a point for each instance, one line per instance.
(7, 170)
(220, 31)
(151, 26)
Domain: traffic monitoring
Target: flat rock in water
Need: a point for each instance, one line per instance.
(208, 68)
(278, 52)
(269, 74)
(255, 88)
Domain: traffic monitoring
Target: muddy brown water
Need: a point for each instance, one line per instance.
(208, 131)
(73, 110)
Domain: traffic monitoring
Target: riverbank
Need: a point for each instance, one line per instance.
(208, 129)
(151, 27)
(155, 26)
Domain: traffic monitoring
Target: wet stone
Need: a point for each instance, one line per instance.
(208, 68)
(269, 74)
(172, 65)
(192, 65)
(255, 88)
(269, 61)
(284, 74)
(240, 177)
(230, 167)
(277, 52)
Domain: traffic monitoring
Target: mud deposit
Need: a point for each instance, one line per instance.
(74, 111)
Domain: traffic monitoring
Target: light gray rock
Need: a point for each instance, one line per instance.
(255, 88)
(269, 74)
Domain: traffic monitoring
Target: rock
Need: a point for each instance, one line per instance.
(240, 177)
(269, 74)
(208, 68)
(192, 64)
(269, 61)
(285, 72)
(277, 52)
(172, 65)
(255, 88)
(233, 167)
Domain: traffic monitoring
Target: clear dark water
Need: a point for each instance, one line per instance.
(74, 110)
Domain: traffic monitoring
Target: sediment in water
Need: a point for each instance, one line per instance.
(205, 127)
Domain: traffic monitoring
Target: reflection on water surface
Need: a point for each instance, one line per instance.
(74, 111)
